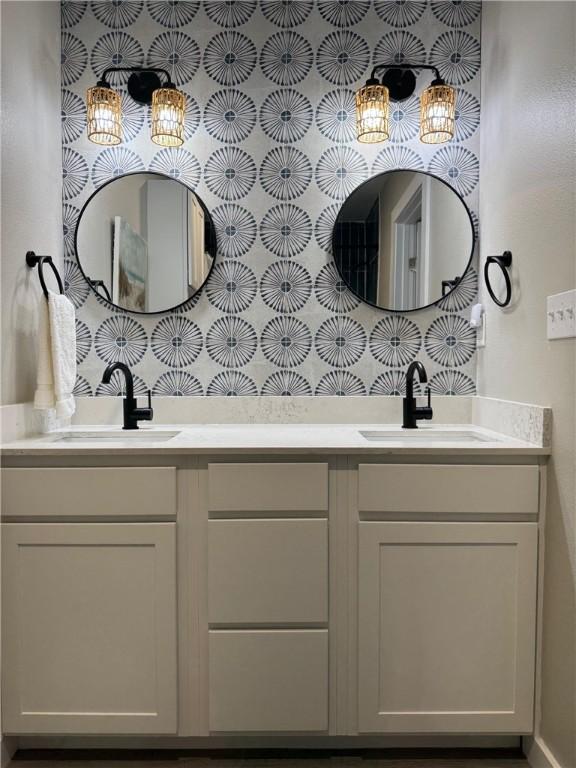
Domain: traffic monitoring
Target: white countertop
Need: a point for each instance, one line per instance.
(271, 439)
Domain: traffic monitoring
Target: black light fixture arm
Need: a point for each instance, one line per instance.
(142, 82)
(400, 78)
(106, 72)
(406, 66)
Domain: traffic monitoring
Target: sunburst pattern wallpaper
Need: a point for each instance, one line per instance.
(270, 148)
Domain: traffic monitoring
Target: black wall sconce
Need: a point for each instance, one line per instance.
(504, 263)
(104, 107)
(437, 104)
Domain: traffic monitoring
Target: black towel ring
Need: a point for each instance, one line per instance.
(32, 260)
(504, 262)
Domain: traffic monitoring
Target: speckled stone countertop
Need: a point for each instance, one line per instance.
(281, 425)
(213, 439)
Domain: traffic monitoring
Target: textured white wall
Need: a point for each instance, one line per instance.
(527, 205)
(31, 178)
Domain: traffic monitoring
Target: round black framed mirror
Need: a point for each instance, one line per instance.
(145, 242)
(403, 240)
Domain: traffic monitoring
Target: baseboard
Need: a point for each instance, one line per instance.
(267, 741)
(8, 746)
(538, 754)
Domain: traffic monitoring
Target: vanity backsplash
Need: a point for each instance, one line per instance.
(270, 147)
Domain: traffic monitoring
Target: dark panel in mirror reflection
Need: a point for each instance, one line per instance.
(403, 240)
(146, 242)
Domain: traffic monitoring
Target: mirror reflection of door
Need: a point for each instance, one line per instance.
(356, 242)
(148, 240)
(409, 265)
(402, 238)
(199, 262)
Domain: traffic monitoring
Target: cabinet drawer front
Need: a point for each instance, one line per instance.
(89, 492)
(268, 488)
(268, 571)
(461, 489)
(268, 680)
(89, 639)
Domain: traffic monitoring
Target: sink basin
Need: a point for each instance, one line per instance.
(426, 435)
(118, 436)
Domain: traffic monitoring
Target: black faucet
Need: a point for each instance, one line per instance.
(410, 411)
(132, 414)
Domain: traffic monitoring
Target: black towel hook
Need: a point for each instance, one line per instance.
(504, 263)
(32, 260)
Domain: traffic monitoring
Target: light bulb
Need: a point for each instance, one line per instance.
(437, 113)
(103, 115)
(372, 106)
(168, 110)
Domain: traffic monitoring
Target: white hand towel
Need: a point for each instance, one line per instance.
(56, 355)
(44, 398)
(63, 342)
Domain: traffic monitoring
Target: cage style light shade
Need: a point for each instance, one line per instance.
(437, 114)
(372, 113)
(168, 109)
(103, 115)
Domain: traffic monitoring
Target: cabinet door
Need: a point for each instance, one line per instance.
(89, 628)
(446, 627)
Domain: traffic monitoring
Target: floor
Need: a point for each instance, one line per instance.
(388, 759)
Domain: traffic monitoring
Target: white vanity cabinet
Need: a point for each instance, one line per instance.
(89, 608)
(311, 595)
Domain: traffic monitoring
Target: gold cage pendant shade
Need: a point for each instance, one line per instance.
(103, 115)
(437, 114)
(372, 113)
(168, 109)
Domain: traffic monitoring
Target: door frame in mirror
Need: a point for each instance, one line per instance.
(94, 288)
(468, 263)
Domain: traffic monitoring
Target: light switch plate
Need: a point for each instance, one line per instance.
(561, 315)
